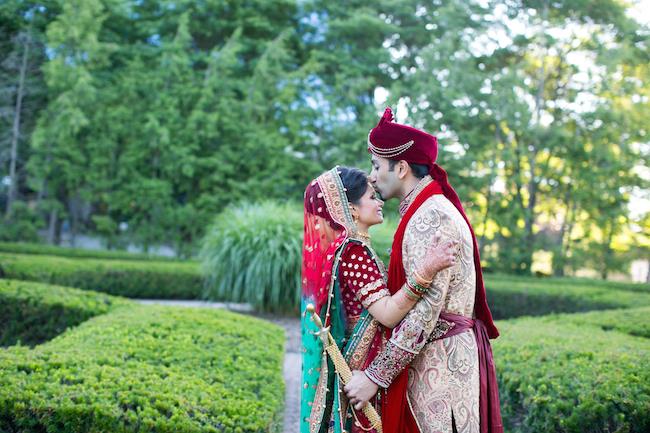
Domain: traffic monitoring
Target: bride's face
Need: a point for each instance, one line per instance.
(369, 208)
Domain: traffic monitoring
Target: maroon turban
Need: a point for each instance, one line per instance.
(400, 142)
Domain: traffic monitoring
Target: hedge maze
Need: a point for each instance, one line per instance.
(572, 356)
(106, 364)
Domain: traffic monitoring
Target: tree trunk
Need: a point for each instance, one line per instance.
(565, 230)
(15, 133)
(607, 253)
(52, 227)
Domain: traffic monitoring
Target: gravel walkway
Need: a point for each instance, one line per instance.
(292, 362)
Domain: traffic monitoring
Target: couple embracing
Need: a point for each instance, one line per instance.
(416, 335)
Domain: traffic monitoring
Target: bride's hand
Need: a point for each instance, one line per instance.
(439, 256)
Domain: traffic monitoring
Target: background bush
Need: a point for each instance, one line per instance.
(566, 374)
(34, 312)
(130, 278)
(635, 321)
(252, 253)
(147, 368)
(23, 224)
(511, 296)
(51, 250)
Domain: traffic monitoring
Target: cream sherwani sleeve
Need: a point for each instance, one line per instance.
(411, 334)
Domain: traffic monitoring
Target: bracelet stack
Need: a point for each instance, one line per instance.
(414, 289)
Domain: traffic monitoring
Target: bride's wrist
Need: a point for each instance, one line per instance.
(421, 277)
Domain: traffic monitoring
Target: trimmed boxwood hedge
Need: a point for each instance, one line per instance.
(144, 369)
(35, 312)
(53, 250)
(566, 374)
(635, 321)
(511, 296)
(130, 278)
(574, 281)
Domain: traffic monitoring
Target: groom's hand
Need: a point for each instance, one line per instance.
(360, 389)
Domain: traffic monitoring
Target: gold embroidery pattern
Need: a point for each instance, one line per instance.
(444, 377)
(370, 287)
(442, 327)
(388, 364)
(371, 299)
(358, 356)
(335, 199)
(404, 204)
(318, 404)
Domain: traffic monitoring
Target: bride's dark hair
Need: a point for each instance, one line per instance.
(355, 182)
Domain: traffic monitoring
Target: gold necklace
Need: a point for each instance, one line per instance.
(364, 236)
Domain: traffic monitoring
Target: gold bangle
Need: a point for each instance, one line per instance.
(422, 281)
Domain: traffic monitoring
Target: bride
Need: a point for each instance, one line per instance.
(346, 282)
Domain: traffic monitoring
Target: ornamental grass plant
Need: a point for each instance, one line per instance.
(252, 253)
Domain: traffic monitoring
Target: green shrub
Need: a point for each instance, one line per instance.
(130, 278)
(511, 296)
(635, 321)
(577, 281)
(22, 224)
(252, 253)
(34, 312)
(53, 250)
(146, 369)
(563, 374)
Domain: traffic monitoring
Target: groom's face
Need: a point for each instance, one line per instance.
(384, 179)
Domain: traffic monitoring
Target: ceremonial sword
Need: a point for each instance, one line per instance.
(341, 366)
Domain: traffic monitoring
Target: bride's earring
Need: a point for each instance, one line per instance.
(355, 215)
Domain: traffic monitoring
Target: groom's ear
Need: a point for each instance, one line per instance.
(402, 169)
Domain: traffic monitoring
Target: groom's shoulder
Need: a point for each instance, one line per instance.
(437, 204)
(435, 213)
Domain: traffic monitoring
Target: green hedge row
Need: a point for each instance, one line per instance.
(145, 369)
(130, 278)
(635, 321)
(567, 374)
(34, 312)
(53, 250)
(576, 281)
(511, 297)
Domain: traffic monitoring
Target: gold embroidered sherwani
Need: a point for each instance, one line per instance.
(443, 374)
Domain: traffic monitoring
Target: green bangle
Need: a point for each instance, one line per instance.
(415, 285)
(410, 293)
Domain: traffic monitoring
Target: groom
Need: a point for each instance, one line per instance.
(436, 373)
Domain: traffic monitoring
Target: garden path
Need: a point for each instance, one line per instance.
(292, 362)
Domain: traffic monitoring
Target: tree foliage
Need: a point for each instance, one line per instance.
(141, 120)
